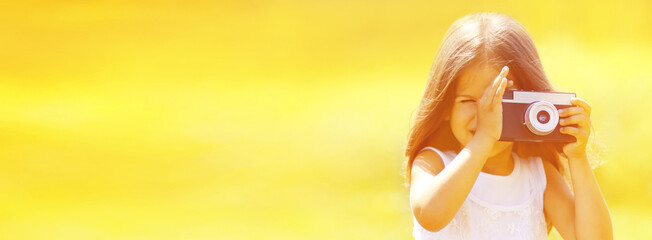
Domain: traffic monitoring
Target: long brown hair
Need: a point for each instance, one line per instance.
(490, 38)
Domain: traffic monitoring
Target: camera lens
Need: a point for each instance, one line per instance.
(543, 117)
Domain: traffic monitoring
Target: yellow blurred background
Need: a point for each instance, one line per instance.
(272, 119)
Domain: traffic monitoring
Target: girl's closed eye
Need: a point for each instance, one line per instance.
(466, 100)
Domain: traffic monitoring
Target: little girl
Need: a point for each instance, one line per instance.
(464, 183)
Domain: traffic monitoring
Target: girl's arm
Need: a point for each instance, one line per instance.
(437, 193)
(584, 215)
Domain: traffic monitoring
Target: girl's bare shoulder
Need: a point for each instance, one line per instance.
(428, 161)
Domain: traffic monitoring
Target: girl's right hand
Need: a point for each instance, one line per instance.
(490, 108)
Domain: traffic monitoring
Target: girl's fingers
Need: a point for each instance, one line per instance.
(500, 91)
(491, 92)
(498, 82)
(583, 104)
(580, 119)
(570, 111)
(503, 72)
(495, 86)
(492, 89)
(578, 133)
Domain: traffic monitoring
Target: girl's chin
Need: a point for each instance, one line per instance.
(500, 146)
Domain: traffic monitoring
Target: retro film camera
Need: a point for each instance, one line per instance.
(533, 116)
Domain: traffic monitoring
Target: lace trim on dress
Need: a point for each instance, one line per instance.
(477, 219)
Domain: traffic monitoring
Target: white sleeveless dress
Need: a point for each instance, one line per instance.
(498, 207)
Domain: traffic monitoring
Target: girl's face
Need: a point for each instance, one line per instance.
(470, 86)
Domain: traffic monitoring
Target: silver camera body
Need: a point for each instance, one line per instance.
(534, 116)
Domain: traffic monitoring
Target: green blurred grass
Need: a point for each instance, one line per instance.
(275, 119)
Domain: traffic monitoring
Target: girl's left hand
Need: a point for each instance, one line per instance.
(575, 121)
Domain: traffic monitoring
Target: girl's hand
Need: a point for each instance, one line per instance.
(575, 121)
(490, 108)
